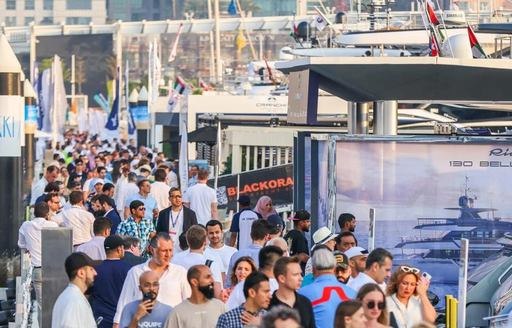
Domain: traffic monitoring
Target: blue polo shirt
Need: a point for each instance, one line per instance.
(325, 293)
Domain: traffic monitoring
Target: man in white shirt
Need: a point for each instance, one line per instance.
(72, 308)
(202, 199)
(196, 239)
(216, 245)
(94, 248)
(378, 268)
(242, 222)
(77, 218)
(160, 190)
(29, 239)
(268, 256)
(51, 174)
(174, 287)
(126, 186)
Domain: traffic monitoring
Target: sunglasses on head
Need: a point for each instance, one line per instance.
(372, 304)
(410, 269)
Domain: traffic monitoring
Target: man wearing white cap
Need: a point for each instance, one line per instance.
(356, 260)
(378, 268)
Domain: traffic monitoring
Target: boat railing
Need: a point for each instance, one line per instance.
(434, 221)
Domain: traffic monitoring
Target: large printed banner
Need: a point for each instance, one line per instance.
(275, 182)
(428, 195)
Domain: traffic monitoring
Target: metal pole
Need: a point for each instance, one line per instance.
(390, 117)
(378, 117)
(212, 47)
(351, 121)
(361, 126)
(217, 42)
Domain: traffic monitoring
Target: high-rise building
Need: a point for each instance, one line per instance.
(136, 10)
(23, 12)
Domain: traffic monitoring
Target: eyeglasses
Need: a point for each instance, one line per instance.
(410, 269)
(141, 209)
(372, 304)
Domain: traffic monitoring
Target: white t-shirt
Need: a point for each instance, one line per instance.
(224, 254)
(245, 221)
(188, 259)
(160, 191)
(237, 297)
(406, 315)
(200, 197)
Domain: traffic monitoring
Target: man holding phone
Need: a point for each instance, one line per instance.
(147, 312)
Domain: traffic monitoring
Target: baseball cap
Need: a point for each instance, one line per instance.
(356, 251)
(276, 223)
(113, 242)
(244, 200)
(301, 215)
(77, 261)
(323, 235)
(341, 259)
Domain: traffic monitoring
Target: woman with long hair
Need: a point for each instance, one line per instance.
(264, 207)
(350, 314)
(243, 267)
(374, 305)
(407, 299)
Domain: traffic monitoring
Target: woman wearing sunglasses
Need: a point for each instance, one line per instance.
(350, 314)
(407, 299)
(374, 306)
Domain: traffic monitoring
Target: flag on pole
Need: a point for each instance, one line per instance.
(240, 41)
(183, 161)
(431, 15)
(112, 124)
(59, 104)
(476, 48)
(179, 86)
(156, 69)
(434, 47)
(232, 10)
(320, 23)
(174, 49)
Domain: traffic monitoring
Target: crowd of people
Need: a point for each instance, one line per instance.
(147, 253)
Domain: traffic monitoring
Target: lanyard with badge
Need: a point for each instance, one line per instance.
(173, 230)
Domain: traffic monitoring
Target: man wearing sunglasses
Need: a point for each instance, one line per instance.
(176, 218)
(378, 268)
(137, 225)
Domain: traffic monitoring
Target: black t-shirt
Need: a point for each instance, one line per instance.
(302, 305)
(297, 243)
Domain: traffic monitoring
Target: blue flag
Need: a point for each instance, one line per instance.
(113, 117)
(232, 8)
(131, 122)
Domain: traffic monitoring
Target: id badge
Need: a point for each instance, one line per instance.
(173, 233)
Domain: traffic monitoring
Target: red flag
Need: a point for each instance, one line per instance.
(476, 48)
(431, 15)
(434, 51)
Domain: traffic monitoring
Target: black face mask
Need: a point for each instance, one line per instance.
(207, 291)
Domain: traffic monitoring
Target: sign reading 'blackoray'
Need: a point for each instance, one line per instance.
(275, 182)
(11, 118)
